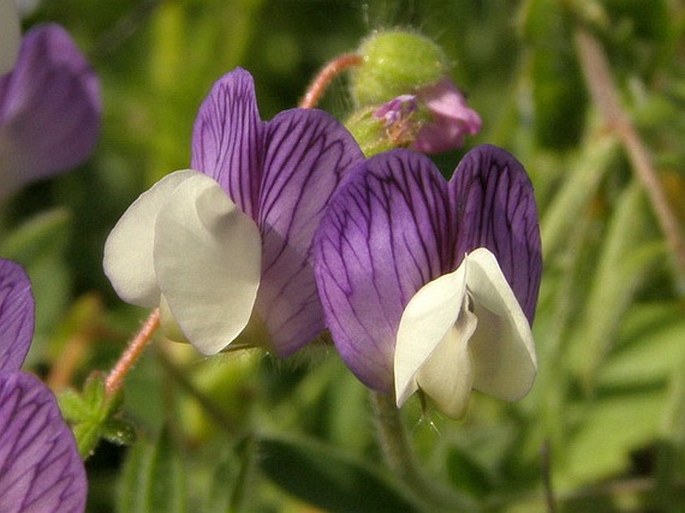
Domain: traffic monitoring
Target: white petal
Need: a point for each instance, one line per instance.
(128, 250)
(426, 320)
(447, 376)
(502, 347)
(10, 35)
(207, 257)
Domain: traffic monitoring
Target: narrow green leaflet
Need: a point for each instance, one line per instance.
(626, 257)
(328, 479)
(153, 479)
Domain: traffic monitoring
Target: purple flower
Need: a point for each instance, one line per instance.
(212, 245)
(435, 119)
(397, 110)
(432, 284)
(451, 119)
(40, 468)
(49, 109)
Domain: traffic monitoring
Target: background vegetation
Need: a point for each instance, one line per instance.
(588, 94)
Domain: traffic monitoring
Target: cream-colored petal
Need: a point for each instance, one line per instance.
(207, 258)
(502, 348)
(128, 249)
(426, 320)
(10, 35)
(448, 374)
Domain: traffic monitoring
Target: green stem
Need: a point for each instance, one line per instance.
(400, 458)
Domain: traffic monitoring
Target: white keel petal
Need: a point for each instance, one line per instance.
(426, 320)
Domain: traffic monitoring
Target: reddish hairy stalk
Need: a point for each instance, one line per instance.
(115, 380)
(325, 77)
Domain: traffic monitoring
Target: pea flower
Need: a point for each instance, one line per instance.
(40, 468)
(50, 107)
(212, 245)
(450, 119)
(429, 284)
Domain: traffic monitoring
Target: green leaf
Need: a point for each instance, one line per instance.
(467, 474)
(612, 427)
(152, 480)
(328, 479)
(39, 245)
(628, 254)
(650, 350)
(579, 187)
(559, 93)
(43, 235)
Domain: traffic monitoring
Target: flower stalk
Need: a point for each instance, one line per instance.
(323, 79)
(115, 379)
(398, 455)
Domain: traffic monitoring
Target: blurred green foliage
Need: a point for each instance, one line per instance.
(609, 403)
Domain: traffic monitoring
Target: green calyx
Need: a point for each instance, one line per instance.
(374, 136)
(395, 62)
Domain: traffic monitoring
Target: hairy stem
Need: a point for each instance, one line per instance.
(400, 458)
(115, 379)
(321, 82)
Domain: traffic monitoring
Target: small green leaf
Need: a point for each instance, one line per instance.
(329, 479)
(118, 432)
(73, 407)
(87, 435)
(91, 414)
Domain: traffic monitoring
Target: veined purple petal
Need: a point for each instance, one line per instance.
(16, 315)
(49, 109)
(495, 208)
(307, 153)
(40, 468)
(382, 237)
(227, 139)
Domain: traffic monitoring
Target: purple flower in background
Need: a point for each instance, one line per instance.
(450, 118)
(50, 109)
(212, 245)
(434, 119)
(40, 468)
(432, 284)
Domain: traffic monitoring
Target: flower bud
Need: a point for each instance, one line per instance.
(405, 97)
(396, 63)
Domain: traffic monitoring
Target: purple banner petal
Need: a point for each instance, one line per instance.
(383, 236)
(307, 153)
(49, 108)
(16, 315)
(496, 209)
(227, 139)
(40, 468)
